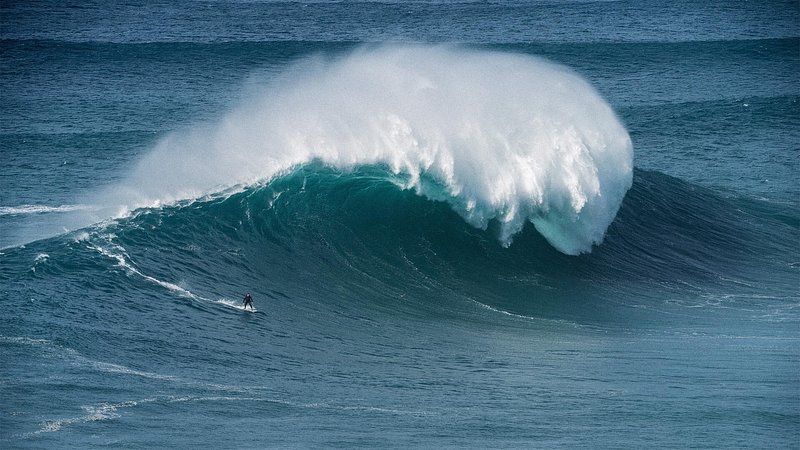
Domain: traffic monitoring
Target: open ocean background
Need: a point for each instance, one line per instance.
(415, 198)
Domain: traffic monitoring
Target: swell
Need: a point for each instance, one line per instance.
(258, 50)
(667, 52)
(417, 21)
(641, 51)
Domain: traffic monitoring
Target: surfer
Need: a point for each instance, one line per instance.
(248, 301)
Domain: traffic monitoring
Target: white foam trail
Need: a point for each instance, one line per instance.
(93, 413)
(122, 262)
(40, 209)
(116, 368)
(498, 136)
(24, 340)
(119, 256)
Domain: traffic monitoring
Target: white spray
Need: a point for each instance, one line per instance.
(510, 137)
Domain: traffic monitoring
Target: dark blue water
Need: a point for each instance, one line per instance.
(416, 223)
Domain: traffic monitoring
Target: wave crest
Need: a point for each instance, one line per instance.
(498, 136)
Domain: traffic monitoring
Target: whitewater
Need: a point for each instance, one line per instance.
(436, 209)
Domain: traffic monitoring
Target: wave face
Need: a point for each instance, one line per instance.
(358, 239)
(497, 136)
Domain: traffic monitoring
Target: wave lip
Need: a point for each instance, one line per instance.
(498, 136)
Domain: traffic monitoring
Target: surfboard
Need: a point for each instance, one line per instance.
(241, 307)
(234, 304)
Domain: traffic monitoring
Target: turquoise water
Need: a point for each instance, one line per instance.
(504, 225)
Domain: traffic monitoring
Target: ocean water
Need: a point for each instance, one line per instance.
(533, 224)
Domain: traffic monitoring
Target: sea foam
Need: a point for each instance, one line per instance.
(498, 136)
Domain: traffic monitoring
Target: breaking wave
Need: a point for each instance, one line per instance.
(499, 137)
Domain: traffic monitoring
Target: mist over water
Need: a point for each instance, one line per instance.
(496, 135)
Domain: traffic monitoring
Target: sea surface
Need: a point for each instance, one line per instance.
(504, 224)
